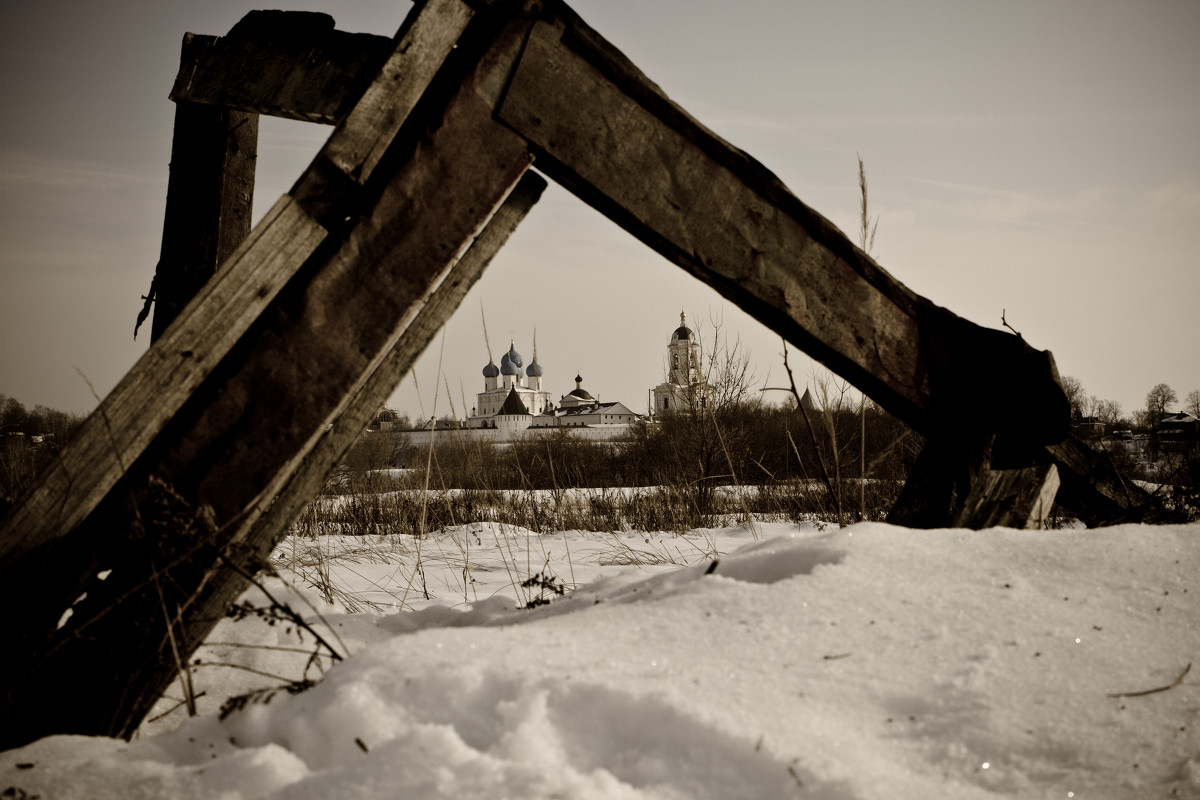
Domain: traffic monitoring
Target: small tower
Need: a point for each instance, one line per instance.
(683, 355)
(684, 389)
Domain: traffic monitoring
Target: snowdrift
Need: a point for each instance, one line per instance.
(866, 662)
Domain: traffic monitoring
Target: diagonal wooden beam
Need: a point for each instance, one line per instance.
(290, 492)
(1095, 492)
(612, 137)
(227, 399)
(150, 395)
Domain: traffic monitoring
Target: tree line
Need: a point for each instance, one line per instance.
(29, 439)
(1161, 400)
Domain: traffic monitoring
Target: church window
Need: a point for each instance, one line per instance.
(676, 356)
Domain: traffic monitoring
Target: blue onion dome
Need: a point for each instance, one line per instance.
(491, 370)
(534, 370)
(507, 367)
(514, 356)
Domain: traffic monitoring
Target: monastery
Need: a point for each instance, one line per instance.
(514, 403)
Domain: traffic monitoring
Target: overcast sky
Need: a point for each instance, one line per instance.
(1036, 158)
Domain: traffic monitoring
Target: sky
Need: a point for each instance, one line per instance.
(858, 663)
(1031, 159)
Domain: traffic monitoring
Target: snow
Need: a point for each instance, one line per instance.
(863, 662)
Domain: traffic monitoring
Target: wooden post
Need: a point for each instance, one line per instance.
(210, 195)
(285, 64)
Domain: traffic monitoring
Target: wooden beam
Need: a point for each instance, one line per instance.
(147, 398)
(290, 64)
(143, 402)
(1010, 498)
(1095, 492)
(607, 133)
(225, 400)
(293, 491)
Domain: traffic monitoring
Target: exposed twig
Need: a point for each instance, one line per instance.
(1178, 681)
(252, 670)
(1004, 322)
(173, 708)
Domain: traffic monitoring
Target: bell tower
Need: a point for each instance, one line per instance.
(683, 355)
(684, 388)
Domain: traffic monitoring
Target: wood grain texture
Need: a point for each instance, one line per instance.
(139, 407)
(161, 381)
(249, 430)
(1094, 491)
(286, 64)
(423, 46)
(223, 404)
(608, 134)
(1010, 498)
(293, 491)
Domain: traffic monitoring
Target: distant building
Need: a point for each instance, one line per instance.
(1088, 428)
(514, 403)
(1177, 426)
(509, 379)
(685, 388)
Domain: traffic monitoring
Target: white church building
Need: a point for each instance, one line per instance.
(514, 403)
(685, 388)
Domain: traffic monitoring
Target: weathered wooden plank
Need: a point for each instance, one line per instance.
(204, 410)
(291, 492)
(366, 133)
(290, 64)
(1095, 492)
(939, 480)
(1090, 487)
(608, 134)
(210, 196)
(1010, 498)
(139, 407)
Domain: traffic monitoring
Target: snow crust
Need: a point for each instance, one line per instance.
(866, 662)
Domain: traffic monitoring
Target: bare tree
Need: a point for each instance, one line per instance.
(1108, 412)
(1158, 400)
(1076, 397)
(1192, 403)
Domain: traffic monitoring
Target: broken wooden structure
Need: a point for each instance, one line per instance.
(192, 469)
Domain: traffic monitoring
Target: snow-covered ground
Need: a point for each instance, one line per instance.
(865, 662)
